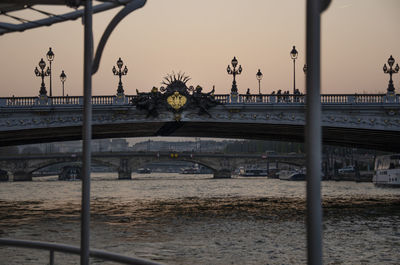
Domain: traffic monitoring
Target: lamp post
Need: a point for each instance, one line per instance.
(120, 73)
(42, 73)
(50, 58)
(63, 78)
(234, 72)
(259, 76)
(391, 71)
(293, 55)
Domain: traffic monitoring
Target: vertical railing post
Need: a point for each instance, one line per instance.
(313, 134)
(87, 132)
(51, 257)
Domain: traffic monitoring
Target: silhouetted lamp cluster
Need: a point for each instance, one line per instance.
(390, 71)
(120, 73)
(42, 73)
(234, 72)
(293, 55)
(48, 72)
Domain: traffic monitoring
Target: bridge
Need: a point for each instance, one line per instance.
(359, 120)
(22, 166)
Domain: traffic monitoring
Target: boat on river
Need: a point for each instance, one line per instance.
(291, 175)
(70, 173)
(253, 172)
(144, 170)
(190, 170)
(387, 171)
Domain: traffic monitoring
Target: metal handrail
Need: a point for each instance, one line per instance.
(55, 247)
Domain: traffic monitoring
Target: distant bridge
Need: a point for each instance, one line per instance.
(22, 166)
(367, 121)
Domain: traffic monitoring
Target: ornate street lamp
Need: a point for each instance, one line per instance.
(63, 78)
(120, 73)
(50, 58)
(259, 76)
(391, 71)
(234, 72)
(42, 73)
(293, 55)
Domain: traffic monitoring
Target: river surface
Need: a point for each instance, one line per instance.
(194, 219)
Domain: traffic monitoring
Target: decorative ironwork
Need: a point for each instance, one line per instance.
(391, 71)
(42, 73)
(120, 72)
(234, 72)
(175, 97)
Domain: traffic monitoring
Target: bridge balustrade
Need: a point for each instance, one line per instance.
(224, 99)
(354, 98)
(18, 101)
(130, 98)
(74, 100)
(103, 100)
(221, 98)
(271, 98)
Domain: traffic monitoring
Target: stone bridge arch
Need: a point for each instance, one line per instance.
(124, 162)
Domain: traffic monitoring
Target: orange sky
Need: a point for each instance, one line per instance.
(201, 37)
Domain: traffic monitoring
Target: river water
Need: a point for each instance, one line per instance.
(194, 219)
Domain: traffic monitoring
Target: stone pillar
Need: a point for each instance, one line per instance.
(124, 174)
(124, 171)
(120, 99)
(222, 174)
(233, 97)
(22, 176)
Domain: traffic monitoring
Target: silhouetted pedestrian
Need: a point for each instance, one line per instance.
(248, 95)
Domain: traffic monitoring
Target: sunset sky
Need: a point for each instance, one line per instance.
(200, 38)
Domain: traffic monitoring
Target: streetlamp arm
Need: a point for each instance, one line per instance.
(129, 8)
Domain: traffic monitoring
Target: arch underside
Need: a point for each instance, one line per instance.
(342, 136)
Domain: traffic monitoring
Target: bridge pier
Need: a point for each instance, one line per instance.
(222, 174)
(124, 174)
(22, 176)
(4, 175)
(124, 171)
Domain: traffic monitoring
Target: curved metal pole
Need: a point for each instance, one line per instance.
(8, 27)
(129, 8)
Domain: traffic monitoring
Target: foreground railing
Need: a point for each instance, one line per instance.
(221, 98)
(54, 247)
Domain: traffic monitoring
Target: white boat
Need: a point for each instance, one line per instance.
(190, 170)
(387, 171)
(144, 170)
(291, 175)
(253, 172)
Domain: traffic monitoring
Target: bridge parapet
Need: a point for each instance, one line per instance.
(225, 99)
(368, 120)
(23, 102)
